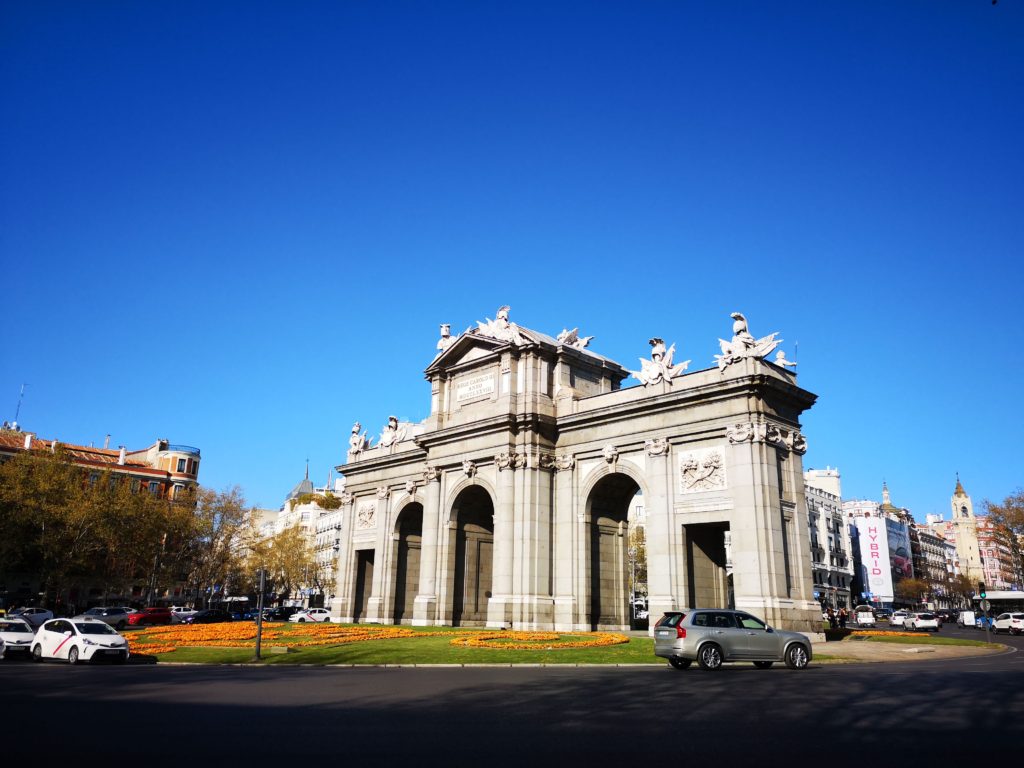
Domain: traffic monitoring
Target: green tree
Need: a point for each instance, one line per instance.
(1008, 519)
(911, 590)
(215, 550)
(289, 559)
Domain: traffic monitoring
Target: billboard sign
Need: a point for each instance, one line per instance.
(874, 555)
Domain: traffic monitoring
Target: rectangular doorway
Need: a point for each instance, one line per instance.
(364, 582)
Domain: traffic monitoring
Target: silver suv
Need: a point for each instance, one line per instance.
(712, 636)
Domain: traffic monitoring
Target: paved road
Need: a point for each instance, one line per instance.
(840, 715)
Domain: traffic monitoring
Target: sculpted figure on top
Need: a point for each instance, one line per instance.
(392, 435)
(660, 367)
(572, 338)
(446, 339)
(357, 443)
(744, 345)
(500, 328)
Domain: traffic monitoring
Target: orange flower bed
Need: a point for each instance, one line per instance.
(876, 633)
(165, 639)
(537, 641)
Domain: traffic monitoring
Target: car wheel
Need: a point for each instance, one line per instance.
(302, 621)
(710, 657)
(796, 657)
(37, 653)
(73, 656)
(120, 626)
(763, 664)
(121, 658)
(680, 663)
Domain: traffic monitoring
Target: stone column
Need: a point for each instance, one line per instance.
(375, 608)
(425, 606)
(341, 608)
(662, 586)
(501, 582)
(564, 544)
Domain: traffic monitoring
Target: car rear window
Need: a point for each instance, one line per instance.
(14, 626)
(926, 616)
(671, 619)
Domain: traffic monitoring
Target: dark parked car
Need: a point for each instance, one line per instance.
(209, 616)
(283, 613)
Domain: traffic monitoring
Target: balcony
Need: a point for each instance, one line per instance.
(183, 449)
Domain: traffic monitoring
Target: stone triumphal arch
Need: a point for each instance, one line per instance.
(508, 506)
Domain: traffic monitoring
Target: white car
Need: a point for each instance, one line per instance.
(179, 613)
(77, 641)
(34, 616)
(898, 619)
(863, 616)
(16, 636)
(311, 614)
(1009, 622)
(916, 621)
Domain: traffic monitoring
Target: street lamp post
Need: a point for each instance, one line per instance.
(259, 613)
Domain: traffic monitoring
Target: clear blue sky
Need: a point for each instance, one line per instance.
(238, 225)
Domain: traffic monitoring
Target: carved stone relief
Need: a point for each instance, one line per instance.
(468, 467)
(347, 498)
(366, 517)
(430, 474)
(702, 470)
(657, 446)
(772, 434)
(410, 487)
(565, 461)
(610, 454)
(383, 492)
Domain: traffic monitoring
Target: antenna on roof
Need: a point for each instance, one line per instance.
(21, 396)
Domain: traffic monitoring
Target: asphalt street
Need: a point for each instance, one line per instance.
(853, 714)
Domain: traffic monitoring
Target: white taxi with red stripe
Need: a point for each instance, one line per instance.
(78, 640)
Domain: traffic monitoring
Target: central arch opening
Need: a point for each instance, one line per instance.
(474, 556)
(407, 571)
(608, 505)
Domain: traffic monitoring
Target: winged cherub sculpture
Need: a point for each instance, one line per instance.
(743, 344)
(660, 367)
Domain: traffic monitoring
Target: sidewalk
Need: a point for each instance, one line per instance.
(873, 651)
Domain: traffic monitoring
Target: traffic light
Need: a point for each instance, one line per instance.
(981, 590)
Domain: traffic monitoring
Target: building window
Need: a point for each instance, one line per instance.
(93, 477)
(181, 465)
(963, 511)
(154, 487)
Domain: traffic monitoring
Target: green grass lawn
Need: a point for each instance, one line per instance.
(918, 640)
(420, 650)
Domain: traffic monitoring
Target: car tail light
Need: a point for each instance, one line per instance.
(680, 632)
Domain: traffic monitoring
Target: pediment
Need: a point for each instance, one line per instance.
(467, 348)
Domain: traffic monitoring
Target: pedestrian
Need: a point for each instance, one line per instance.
(833, 622)
(843, 617)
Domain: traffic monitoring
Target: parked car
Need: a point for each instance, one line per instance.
(883, 613)
(34, 616)
(78, 640)
(283, 613)
(208, 616)
(179, 613)
(944, 615)
(116, 617)
(864, 616)
(916, 621)
(712, 637)
(1009, 622)
(16, 635)
(898, 618)
(150, 616)
(311, 614)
